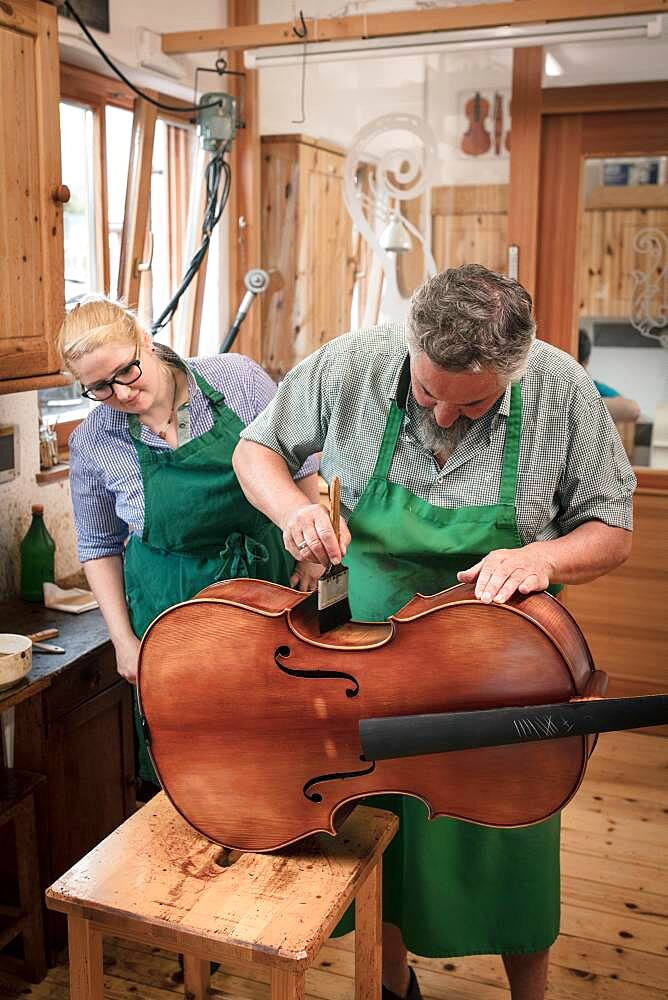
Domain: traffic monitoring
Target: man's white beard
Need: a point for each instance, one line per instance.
(440, 441)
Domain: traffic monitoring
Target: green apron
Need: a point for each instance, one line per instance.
(454, 888)
(198, 528)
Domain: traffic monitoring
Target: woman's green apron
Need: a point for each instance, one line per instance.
(198, 528)
(454, 888)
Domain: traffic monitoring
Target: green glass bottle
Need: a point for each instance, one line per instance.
(38, 551)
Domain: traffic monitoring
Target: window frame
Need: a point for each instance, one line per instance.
(95, 91)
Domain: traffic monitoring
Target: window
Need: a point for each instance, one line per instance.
(118, 134)
(171, 169)
(76, 140)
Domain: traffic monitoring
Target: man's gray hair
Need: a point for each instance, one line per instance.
(469, 318)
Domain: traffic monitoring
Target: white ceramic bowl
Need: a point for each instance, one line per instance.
(15, 658)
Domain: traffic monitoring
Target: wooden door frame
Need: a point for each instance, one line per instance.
(244, 209)
(620, 120)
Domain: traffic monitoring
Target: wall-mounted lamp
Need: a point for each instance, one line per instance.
(395, 237)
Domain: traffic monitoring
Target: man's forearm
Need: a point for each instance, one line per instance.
(267, 482)
(622, 409)
(105, 577)
(310, 487)
(587, 552)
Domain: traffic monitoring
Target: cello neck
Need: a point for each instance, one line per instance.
(411, 735)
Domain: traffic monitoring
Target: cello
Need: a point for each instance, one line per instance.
(263, 731)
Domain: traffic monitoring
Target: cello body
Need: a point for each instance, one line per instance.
(253, 716)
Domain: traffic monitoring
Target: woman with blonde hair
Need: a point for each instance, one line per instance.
(158, 511)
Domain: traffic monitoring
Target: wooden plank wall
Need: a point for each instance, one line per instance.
(470, 225)
(612, 219)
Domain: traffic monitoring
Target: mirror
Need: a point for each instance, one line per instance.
(623, 297)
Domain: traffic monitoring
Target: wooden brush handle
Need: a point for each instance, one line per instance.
(335, 505)
(46, 633)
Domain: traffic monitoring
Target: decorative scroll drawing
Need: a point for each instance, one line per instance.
(400, 173)
(649, 297)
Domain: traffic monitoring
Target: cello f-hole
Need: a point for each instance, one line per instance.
(338, 776)
(282, 653)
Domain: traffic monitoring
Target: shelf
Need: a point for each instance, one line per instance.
(60, 471)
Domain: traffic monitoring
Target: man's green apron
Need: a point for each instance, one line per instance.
(198, 528)
(454, 888)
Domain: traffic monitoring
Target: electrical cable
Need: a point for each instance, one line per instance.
(212, 213)
(145, 97)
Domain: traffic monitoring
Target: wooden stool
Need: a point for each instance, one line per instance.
(157, 881)
(17, 805)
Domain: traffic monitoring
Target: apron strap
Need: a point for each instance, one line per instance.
(388, 445)
(215, 397)
(212, 394)
(511, 454)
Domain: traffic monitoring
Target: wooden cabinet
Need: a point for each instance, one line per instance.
(31, 234)
(79, 733)
(306, 249)
(90, 758)
(623, 614)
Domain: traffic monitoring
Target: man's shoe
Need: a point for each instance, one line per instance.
(413, 992)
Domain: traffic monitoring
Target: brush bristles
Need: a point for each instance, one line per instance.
(334, 616)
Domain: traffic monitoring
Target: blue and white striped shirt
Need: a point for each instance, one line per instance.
(105, 477)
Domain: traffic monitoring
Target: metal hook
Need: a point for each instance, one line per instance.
(303, 31)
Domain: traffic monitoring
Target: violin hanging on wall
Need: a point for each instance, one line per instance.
(476, 140)
(261, 729)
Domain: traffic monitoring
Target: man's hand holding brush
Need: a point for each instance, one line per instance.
(308, 535)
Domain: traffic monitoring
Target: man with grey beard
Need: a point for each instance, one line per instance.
(467, 451)
(440, 441)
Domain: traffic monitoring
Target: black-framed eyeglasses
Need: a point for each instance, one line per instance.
(105, 389)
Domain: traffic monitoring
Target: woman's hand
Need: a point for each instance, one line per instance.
(306, 576)
(127, 658)
(309, 536)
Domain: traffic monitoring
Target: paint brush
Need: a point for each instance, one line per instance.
(333, 604)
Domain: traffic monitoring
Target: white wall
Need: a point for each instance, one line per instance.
(341, 97)
(17, 497)
(638, 374)
(121, 43)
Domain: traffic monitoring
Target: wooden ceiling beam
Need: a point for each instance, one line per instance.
(410, 22)
(605, 97)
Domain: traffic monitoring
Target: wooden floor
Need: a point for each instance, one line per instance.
(614, 934)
